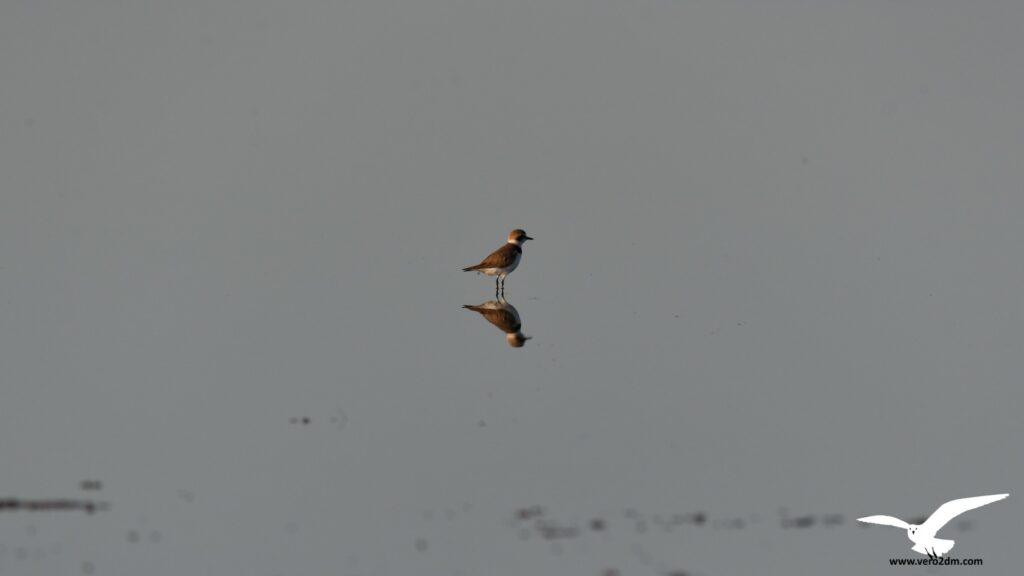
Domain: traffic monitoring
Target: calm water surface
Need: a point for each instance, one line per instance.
(774, 286)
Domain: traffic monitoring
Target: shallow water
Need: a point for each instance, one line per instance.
(773, 286)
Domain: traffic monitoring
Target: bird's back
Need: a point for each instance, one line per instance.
(505, 257)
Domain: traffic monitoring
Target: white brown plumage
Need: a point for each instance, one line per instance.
(504, 260)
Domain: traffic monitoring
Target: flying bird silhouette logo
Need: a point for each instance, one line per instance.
(923, 535)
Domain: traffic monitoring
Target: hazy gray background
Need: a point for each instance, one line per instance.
(777, 265)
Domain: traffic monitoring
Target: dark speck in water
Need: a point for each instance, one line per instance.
(528, 513)
(799, 522)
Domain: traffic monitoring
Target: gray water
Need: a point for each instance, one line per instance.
(775, 285)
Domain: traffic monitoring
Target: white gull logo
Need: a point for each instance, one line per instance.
(923, 535)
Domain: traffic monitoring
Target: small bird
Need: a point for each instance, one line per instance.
(505, 317)
(504, 260)
(923, 535)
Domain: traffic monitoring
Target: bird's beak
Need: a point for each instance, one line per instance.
(527, 238)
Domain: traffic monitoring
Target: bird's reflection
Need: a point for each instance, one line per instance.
(505, 316)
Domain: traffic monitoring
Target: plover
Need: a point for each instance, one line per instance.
(504, 260)
(505, 317)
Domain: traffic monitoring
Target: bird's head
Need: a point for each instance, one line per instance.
(516, 339)
(518, 236)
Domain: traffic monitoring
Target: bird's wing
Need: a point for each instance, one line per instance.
(885, 521)
(954, 508)
(502, 315)
(502, 319)
(501, 258)
(506, 321)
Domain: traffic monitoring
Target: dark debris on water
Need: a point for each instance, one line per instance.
(54, 505)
